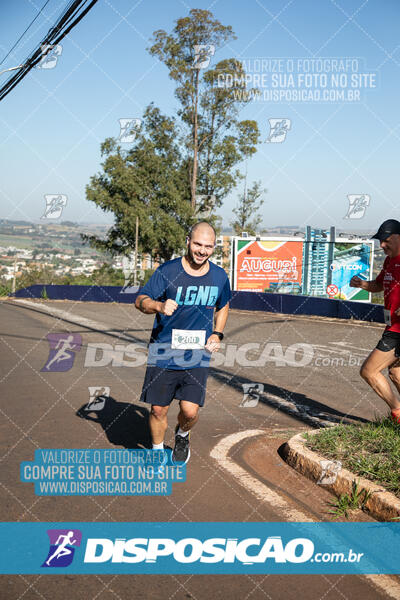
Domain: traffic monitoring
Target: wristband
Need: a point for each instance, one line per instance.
(219, 334)
(141, 302)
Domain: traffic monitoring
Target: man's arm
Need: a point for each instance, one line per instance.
(213, 342)
(148, 306)
(221, 317)
(373, 286)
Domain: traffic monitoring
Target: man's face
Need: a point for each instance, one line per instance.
(201, 246)
(391, 246)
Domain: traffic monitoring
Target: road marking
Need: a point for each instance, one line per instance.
(261, 491)
(76, 319)
(306, 413)
(347, 345)
(63, 314)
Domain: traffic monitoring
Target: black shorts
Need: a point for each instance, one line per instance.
(161, 386)
(390, 340)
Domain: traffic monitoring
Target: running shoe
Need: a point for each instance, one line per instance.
(181, 452)
(395, 417)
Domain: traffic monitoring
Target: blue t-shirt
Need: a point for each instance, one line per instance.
(196, 298)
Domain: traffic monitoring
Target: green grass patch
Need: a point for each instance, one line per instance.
(345, 503)
(370, 450)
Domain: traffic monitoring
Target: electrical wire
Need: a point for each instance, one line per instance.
(29, 26)
(67, 21)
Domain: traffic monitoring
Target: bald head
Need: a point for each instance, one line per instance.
(200, 243)
(204, 228)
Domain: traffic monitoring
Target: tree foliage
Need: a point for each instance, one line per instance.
(174, 160)
(212, 135)
(147, 183)
(247, 210)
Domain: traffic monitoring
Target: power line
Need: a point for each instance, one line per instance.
(20, 38)
(62, 27)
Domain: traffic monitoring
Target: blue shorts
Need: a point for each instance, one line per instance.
(161, 386)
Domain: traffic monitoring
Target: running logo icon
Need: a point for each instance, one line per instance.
(97, 397)
(128, 269)
(329, 471)
(55, 204)
(62, 351)
(128, 130)
(358, 204)
(50, 55)
(62, 547)
(251, 394)
(278, 129)
(202, 55)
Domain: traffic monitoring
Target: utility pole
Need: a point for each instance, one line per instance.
(14, 275)
(136, 250)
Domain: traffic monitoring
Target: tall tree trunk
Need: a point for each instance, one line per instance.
(195, 140)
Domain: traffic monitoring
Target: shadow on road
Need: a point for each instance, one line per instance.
(298, 406)
(124, 424)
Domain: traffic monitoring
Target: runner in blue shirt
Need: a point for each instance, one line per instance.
(183, 294)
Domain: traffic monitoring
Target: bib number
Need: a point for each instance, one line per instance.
(188, 339)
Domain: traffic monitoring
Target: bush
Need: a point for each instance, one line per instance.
(5, 289)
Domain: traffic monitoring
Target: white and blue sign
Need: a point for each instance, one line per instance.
(200, 548)
(81, 472)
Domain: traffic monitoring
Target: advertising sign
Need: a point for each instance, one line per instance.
(351, 259)
(311, 267)
(268, 265)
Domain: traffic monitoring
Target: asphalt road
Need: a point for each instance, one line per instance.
(305, 374)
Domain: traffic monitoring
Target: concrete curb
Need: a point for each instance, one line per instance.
(382, 505)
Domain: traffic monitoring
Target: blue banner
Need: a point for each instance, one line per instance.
(99, 472)
(199, 548)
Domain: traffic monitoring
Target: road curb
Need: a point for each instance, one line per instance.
(382, 505)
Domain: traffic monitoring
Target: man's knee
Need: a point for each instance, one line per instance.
(367, 373)
(190, 411)
(159, 412)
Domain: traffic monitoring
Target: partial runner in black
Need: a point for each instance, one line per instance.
(190, 298)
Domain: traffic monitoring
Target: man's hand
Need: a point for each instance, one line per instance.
(397, 312)
(168, 307)
(213, 343)
(356, 282)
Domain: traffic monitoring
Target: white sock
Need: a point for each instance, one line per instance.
(158, 446)
(182, 433)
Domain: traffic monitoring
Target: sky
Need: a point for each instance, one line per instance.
(53, 122)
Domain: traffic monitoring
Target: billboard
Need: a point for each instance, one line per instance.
(268, 265)
(316, 266)
(350, 259)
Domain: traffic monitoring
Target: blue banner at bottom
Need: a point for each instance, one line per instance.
(200, 548)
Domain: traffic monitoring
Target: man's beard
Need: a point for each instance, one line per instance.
(193, 260)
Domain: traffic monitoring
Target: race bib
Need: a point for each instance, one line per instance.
(387, 317)
(188, 339)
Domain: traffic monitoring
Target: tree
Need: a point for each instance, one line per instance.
(149, 183)
(35, 275)
(209, 112)
(175, 160)
(246, 210)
